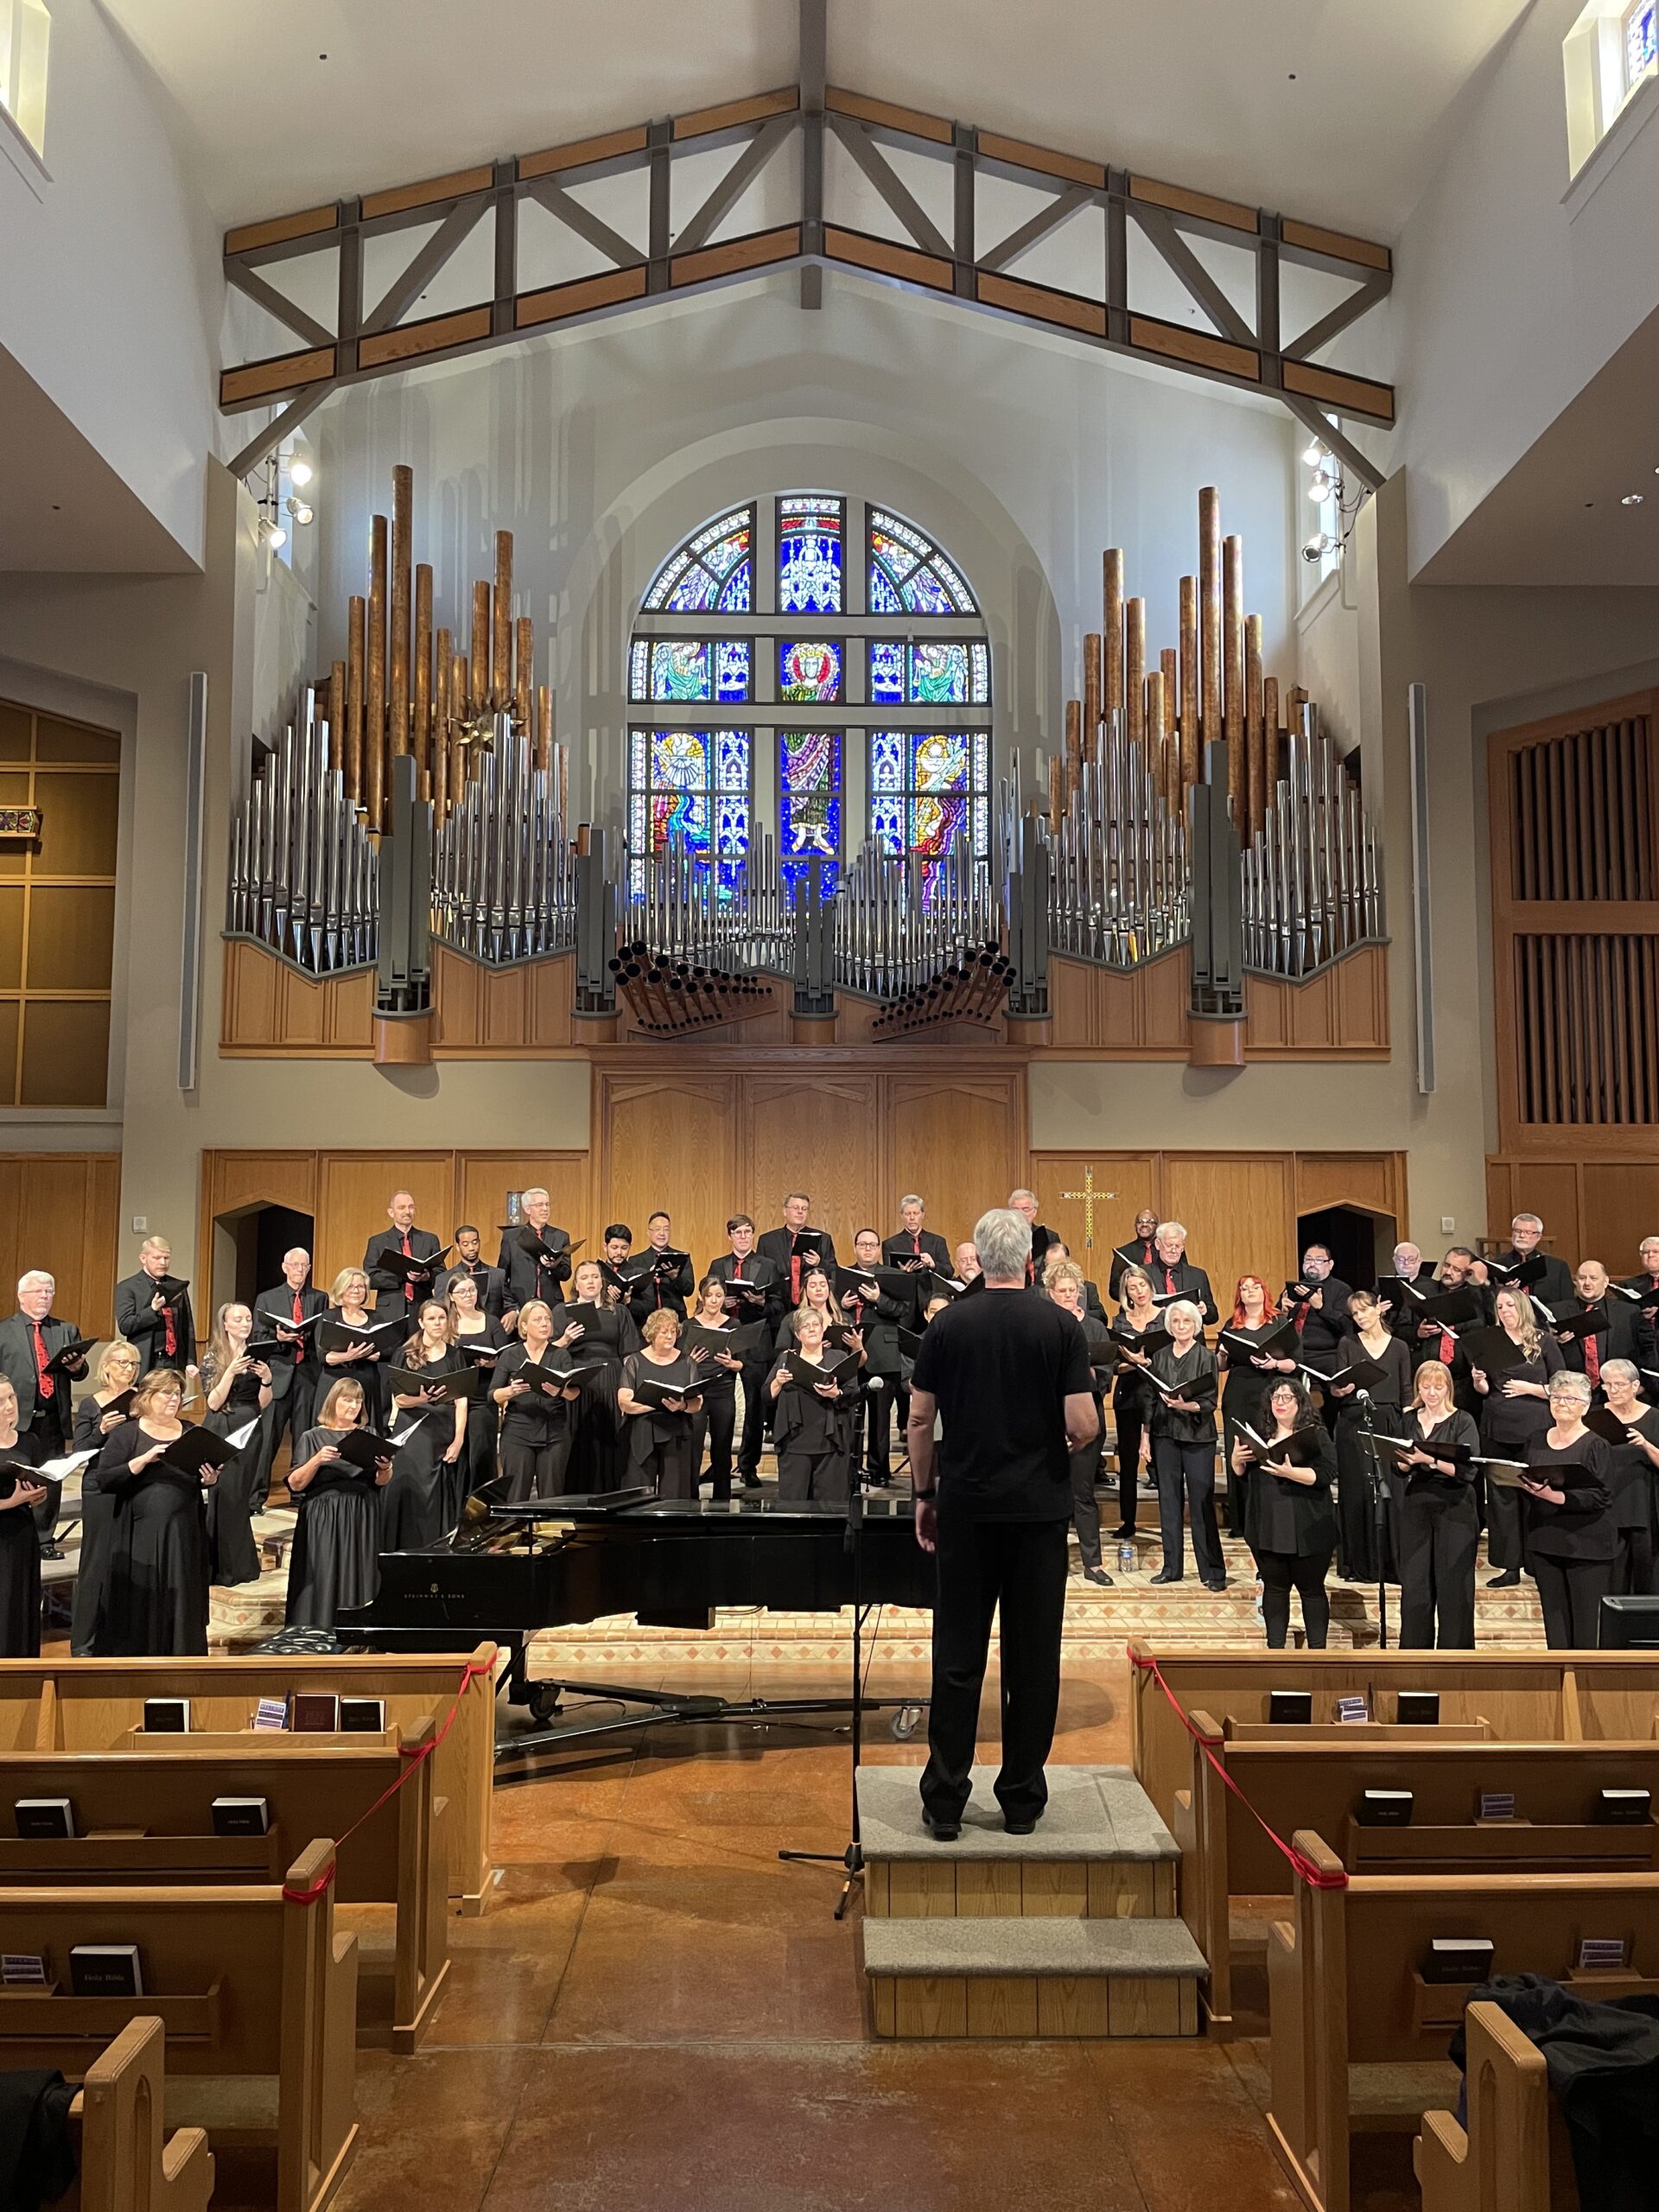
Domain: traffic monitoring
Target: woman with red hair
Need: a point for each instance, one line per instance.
(1250, 1377)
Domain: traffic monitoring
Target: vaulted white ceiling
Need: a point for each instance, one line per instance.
(1331, 109)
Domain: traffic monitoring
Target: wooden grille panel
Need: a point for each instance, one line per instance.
(1589, 1029)
(1582, 814)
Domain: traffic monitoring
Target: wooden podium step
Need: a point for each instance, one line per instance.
(1032, 1977)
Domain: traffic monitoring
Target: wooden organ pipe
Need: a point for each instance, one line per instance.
(460, 693)
(1154, 724)
(1056, 792)
(374, 702)
(1111, 617)
(523, 659)
(1090, 694)
(337, 717)
(1269, 737)
(1135, 668)
(479, 695)
(421, 703)
(402, 525)
(1073, 745)
(1190, 684)
(1232, 676)
(501, 650)
(545, 727)
(355, 650)
(1255, 804)
(1169, 667)
(444, 670)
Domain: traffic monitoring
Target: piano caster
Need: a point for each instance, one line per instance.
(906, 1721)
(543, 1702)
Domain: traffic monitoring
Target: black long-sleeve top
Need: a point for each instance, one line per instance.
(1433, 1491)
(1193, 1374)
(1581, 1528)
(1289, 1516)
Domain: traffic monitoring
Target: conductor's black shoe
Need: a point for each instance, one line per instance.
(1509, 1580)
(1097, 1574)
(1022, 1827)
(941, 1831)
(1164, 1575)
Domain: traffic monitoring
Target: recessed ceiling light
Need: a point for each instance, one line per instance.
(1631, 500)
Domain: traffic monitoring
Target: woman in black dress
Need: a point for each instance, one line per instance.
(348, 1308)
(537, 1430)
(1437, 1530)
(661, 1450)
(1292, 1524)
(717, 1374)
(602, 1333)
(238, 1391)
(156, 1605)
(1357, 1545)
(1066, 1288)
(335, 1561)
(809, 1423)
(1631, 1477)
(815, 1299)
(474, 1332)
(100, 1413)
(19, 1545)
(1131, 1436)
(422, 1500)
(1567, 1518)
(1184, 1446)
(1244, 1394)
(1514, 1413)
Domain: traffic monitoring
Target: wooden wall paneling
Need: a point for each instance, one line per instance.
(58, 1212)
(1362, 990)
(669, 1140)
(960, 1142)
(1123, 1182)
(552, 1003)
(1619, 1207)
(1549, 1188)
(1164, 986)
(454, 1001)
(350, 1014)
(817, 1133)
(1375, 1180)
(232, 1181)
(301, 1010)
(483, 1180)
(249, 998)
(353, 1189)
(1239, 1212)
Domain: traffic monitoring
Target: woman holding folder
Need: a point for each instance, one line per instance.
(1291, 1524)
(1630, 1427)
(1131, 1434)
(352, 1344)
(335, 1563)
(237, 1387)
(537, 1406)
(480, 1338)
(718, 1370)
(1254, 1348)
(658, 1395)
(808, 1424)
(20, 1548)
(1365, 1400)
(1511, 1364)
(428, 1424)
(156, 1471)
(1567, 1517)
(1183, 1385)
(1438, 1527)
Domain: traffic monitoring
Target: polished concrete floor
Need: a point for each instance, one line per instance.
(657, 2015)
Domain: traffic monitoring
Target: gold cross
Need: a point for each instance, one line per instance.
(1091, 1198)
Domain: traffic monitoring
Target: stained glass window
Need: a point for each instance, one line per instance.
(809, 801)
(928, 788)
(715, 568)
(690, 789)
(1641, 47)
(908, 572)
(809, 548)
(689, 668)
(953, 672)
(809, 668)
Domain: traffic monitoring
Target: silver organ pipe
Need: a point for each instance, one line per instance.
(1121, 891)
(1312, 877)
(504, 884)
(303, 877)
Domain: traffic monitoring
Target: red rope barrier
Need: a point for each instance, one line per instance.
(412, 1755)
(1317, 1878)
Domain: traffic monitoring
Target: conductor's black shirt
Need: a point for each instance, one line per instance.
(1000, 1366)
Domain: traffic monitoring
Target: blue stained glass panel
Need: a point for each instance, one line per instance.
(908, 572)
(688, 789)
(732, 668)
(1640, 45)
(680, 668)
(640, 668)
(809, 787)
(979, 687)
(938, 675)
(737, 594)
(809, 555)
(694, 594)
(887, 761)
(884, 599)
(887, 671)
(928, 788)
(809, 669)
(923, 594)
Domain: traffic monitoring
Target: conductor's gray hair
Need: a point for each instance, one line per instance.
(1003, 1239)
(1626, 1371)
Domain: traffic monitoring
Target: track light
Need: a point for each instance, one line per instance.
(276, 536)
(300, 474)
(1321, 488)
(298, 510)
(1314, 454)
(1318, 546)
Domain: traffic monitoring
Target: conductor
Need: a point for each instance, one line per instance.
(1008, 1375)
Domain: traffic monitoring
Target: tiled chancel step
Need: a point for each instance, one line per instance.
(1069, 1931)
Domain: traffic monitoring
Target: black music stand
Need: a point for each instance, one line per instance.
(1368, 1436)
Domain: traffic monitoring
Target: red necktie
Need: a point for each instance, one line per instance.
(916, 1242)
(1592, 1362)
(794, 1278)
(299, 1316)
(1301, 1318)
(409, 1288)
(1169, 1280)
(44, 1386)
(737, 1270)
(1448, 1347)
(169, 1333)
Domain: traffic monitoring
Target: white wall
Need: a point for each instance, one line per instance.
(109, 275)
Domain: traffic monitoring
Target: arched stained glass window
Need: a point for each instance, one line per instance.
(851, 701)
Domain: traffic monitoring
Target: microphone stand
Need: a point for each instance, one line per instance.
(1379, 1510)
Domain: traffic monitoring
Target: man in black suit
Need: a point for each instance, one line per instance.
(1555, 1286)
(742, 1264)
(30, 1339)
(1173, 1274)
(1025, 1203)
(152, 1310)
(1621, 1333)
(913, 1244)
(1407, 1263)
(535, 1258)
(1141, 1248)
(878, 1320)
(469, 1261)
(296, 1370)
(394, 1290)
(1322, 1319)
(793, 1253)
(654, 1281)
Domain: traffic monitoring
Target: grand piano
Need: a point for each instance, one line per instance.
(508, 1571)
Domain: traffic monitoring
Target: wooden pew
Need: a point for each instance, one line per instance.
(144, 1816)
(1513, 2155)
(1346, 1991)
(1524, 1697)
(128, 2163)
(95, 1704)
(1296, 1778)
(257, 1995)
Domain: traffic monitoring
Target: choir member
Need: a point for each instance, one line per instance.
(152, 1310)
(1131, 1425)
(912, 1246)
(103, 1410)
(1645, 1281)
(1025, 1204)
(717, 1373)
(30, 1339)
(1174, 1275)
(601, 1335)
(295, 1366)
(1567, 1518)
(797, 1246)
(422, 1501)
(348, 1308)
(816, 1298)
(1322, 1316)
(1137, 1251)
(1292, 1524)
(20, 1549)
(1554, 1286)
(1407, 1263)
(1250, 1376)
(1059, 1254)
(537, 1430)
(475, 1332)
(401, 1288)
(660, 1279)
(1065, 1289)
(535, 1257)
(877, 1321)
(1630, 1478)
(1619, 1332)
(469, 1263)
(1437, 1530)
(808, 1423)
(1381, 1408)
(334, 1566)
(1514, 1411)
(966, 1261)
(753, 1293)
(238, 1391)
(156, 1602)
(660, 1441)
(1183, 1444)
